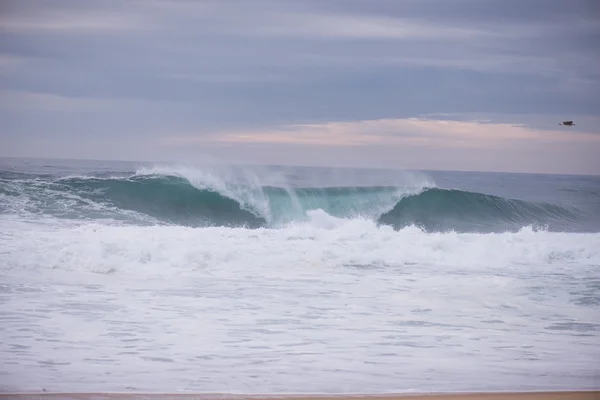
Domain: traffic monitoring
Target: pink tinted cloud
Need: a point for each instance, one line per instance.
(393, 132)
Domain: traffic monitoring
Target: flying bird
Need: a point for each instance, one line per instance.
(567, 123)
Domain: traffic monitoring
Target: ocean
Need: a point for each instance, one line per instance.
(130, 277)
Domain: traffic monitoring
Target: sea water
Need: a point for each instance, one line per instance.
(214, 278)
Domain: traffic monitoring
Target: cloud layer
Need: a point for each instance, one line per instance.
(84, 77)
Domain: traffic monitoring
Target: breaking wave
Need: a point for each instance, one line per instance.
(169, 197)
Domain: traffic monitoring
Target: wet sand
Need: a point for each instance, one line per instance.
(571, 395)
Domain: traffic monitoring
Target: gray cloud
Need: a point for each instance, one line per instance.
(155, 67)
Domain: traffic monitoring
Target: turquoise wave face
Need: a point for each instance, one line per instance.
(152, 199)
(443, 210)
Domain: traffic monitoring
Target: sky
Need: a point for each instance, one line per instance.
(415, 84)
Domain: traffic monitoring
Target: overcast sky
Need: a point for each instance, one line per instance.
(420, 84)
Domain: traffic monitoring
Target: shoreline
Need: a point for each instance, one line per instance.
(527, 395)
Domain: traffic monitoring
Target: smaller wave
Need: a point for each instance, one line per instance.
(445, 210)
(22, 176)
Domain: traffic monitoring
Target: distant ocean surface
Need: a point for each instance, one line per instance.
(122, 276)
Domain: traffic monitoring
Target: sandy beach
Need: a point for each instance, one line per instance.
(566, 395)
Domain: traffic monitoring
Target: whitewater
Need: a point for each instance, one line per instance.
(211, 278)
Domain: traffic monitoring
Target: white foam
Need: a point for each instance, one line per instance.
(322, 239)
(326, 305)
